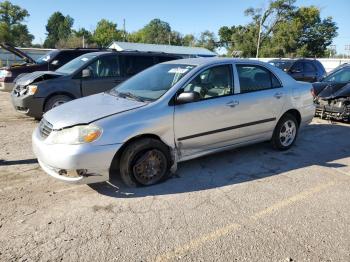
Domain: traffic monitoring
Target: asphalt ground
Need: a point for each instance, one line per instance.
(248, 204)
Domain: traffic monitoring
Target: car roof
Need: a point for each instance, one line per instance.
(131, 52)
(202, 61)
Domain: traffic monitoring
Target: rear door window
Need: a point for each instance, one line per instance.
(256, 78)
(134, 64)
(309, 67)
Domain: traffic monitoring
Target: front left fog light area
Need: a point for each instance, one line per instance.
(72, 173)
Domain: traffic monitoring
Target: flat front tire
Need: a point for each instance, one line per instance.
(285, 133)
(144, 162)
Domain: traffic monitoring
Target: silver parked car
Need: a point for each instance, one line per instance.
(171, 112)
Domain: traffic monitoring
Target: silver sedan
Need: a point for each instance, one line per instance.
(171, 112)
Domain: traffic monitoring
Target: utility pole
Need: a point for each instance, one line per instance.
(347, 49)
(332, 50)
(83, 41)
(124, 30)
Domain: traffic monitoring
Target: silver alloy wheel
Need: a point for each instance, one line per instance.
(57, 103)
(288, 133)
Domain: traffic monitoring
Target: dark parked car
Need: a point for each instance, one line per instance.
(308, 70)
(332, 94)
(88, 74)
(50, 61)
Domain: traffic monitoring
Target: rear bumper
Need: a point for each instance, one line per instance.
(28, 105)
(60, 160)
(6, 86)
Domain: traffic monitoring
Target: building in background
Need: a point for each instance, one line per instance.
(185, 51)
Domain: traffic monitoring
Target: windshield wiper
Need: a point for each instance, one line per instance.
(130, 95)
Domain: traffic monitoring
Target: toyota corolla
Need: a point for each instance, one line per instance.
(171, 112)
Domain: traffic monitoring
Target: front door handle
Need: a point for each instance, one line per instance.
(233, 103)
(278, 95)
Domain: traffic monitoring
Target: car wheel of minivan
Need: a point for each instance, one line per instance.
(144, 162)
(56, 101)
(285, 132)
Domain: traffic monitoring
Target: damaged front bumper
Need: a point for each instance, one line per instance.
(338, 109)
(77, 164)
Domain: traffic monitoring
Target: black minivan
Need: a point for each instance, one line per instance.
(91, 73)
(50, 61)
(307, 70)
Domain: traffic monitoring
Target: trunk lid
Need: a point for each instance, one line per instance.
(17, 52)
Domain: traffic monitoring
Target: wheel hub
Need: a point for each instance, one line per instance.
(288, 133)
(149, 167)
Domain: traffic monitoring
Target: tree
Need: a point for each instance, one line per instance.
(314, 34)
(189, 40)
(84, 34)
(11, 28)
(207, 40)
(155, 32)
(59, 27)
(285, 31)
(105, 33)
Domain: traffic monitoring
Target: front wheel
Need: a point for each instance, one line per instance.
(144, 162)
(285, 132)
(55, 101)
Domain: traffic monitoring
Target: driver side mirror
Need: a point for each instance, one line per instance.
(187, 97)
(86, 73)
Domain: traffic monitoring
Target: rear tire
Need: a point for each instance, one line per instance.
(285, 133)
(144, 162)
(56, 101)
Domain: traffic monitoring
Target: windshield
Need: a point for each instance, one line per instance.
(152, 83)
(75, 64)
(341, 76)
(47, 57)
(282, 64)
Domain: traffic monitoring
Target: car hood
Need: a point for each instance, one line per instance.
(17, 52)
(37, 76)
(89, 109)
(334, 90)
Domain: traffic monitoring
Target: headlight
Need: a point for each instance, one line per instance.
(32, 89)
(75, 135)
(5, 73)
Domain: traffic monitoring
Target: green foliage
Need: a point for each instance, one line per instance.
(286, 31)
(207, 40)
(189, 40)
(155, 32)
(106, 32)
(11, 28)
(59, 27)
(83, 33)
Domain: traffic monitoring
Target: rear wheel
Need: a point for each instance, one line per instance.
(56, 101)
(285, 132)
(144, 162)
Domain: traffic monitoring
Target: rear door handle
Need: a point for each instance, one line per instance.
(233, 103)
(278, 95)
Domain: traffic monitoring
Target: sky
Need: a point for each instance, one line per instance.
(185, 16)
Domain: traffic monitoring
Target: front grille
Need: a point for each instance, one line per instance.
(45, 128)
